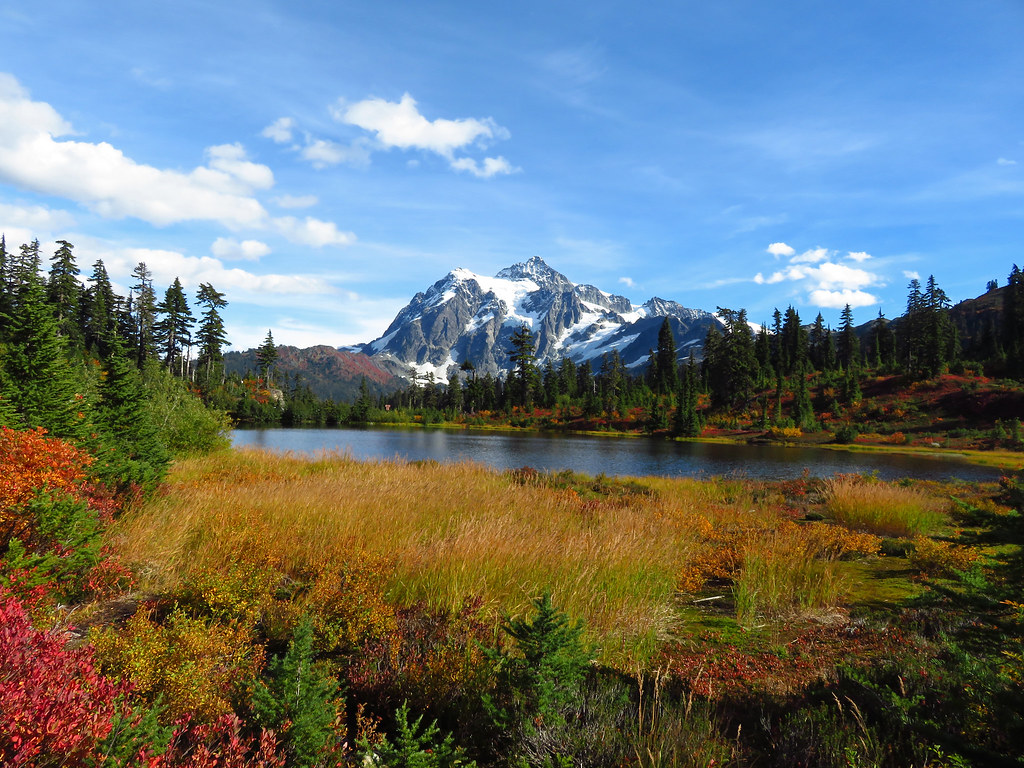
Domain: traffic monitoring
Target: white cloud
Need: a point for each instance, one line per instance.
(781, 249)
(829, 284)
(839, 299)
(911, 274)
(231, 249)
(244, 176)
(400, 124)
(104, 179)
(812, 256)
(627, 281)
(492, 166)
(1005, 161)
(100, 177)
(313, 232)
(322, 153)
(35, 218)
(279, 131)
(296, 201)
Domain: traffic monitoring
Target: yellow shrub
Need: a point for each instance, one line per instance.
(195, 666)
(940, 558)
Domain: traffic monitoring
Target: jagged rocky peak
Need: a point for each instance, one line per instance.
(658, 307)
(537, 270)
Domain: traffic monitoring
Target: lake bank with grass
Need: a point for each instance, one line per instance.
(618, 455)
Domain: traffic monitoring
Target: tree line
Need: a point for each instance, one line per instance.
(769, 369)
(111, 373)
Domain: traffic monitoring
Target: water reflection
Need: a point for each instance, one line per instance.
(607, 455)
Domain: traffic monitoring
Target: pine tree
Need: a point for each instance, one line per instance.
(173, 332)
(126, 423)
(97, 310)
(144, 315)
(1012, 331)
(665, 378)
(64, 292)
(266, 359)
(211, 336)
(41, 384)
(848, 346)
(687, 421)
(523, 358)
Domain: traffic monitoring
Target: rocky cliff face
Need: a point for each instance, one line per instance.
(465, 316)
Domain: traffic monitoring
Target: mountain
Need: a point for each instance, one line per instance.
(329, 372)
(465, 316)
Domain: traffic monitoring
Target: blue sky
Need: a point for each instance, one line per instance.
(320, 162)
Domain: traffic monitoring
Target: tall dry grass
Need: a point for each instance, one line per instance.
(449, 531)
(882, 508)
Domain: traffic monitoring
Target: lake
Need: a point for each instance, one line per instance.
(605, 455)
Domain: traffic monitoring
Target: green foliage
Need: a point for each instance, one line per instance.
(300, 702)
(184, 425)
(414, 746)
(63, 546)
(539, 685)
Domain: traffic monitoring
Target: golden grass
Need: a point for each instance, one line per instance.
(449, 531)
(882, 508)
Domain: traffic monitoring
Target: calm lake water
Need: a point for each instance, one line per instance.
(607, 455)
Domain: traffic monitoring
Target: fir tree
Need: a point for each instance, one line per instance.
(144, 309)
(64, 292)
(523, 358)
(173, 332)
(211, 336)
(665, 377)
(266, 358)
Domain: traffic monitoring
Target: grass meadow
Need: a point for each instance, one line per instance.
(622, 555)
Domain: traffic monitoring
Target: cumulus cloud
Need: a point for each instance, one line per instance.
(911, 274)
(781, 249)
(400, 124)
(627, 281)
(104, 179)
(35, 218)
(232, 250)
(34, 155)
(279, 131)
(492, 166)
(839, 299)
(296, 201)
(828, 283)
(313, 232)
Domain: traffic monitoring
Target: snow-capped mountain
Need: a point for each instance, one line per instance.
(465, 316)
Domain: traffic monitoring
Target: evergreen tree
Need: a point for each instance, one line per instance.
(523, 358)
(848, 346)
(1013, 322)
(211, 336)
(97, 311)
(140, 457)
(940, 341)
(665, 377)
(64, 292)
(144, 315)
(794, 342)
(729, 360)
(911, 329)
(687, 421)
(173, 331)
(803, 409)
(39, 380)
(266, 359)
